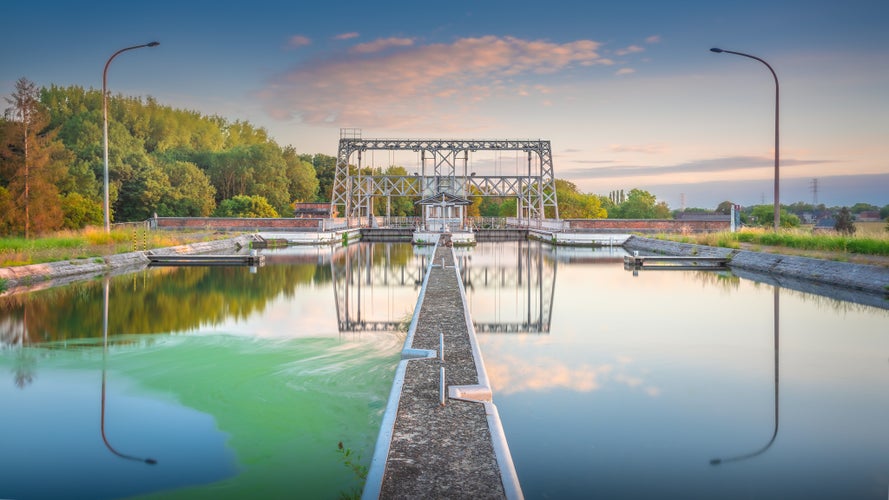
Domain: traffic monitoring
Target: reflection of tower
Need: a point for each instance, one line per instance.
(359, 273)
(496, 270)
(717, 461)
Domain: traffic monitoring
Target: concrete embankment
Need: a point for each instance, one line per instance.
(426, 449)
(786, 270)
(57, 273)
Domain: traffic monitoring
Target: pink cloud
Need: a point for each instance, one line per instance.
(625, 71)
(420, 84)
(653, 39)
(632, 49)
(381, 44)
(347, 36)
(297, 41)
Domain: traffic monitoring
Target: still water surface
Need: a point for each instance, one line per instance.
(676, 384)
(236, 384)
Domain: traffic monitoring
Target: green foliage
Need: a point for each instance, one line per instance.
(301, 177)
(161, 160)
(764, 215)
(640, 204)
(188, 191)
(353, 462)
(844, 223)
(80, 211)
(575, 205)
(725, 208)
(796, 240)
(247, 207)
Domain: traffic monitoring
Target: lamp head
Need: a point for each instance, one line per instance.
(152, 44)
(714, 49)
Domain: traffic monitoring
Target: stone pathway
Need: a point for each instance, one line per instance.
(441, 451)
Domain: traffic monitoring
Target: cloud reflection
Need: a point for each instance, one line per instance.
(510, 374)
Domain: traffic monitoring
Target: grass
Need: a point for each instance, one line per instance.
(866, 242)
(91, 243)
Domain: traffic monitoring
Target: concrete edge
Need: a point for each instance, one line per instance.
(25, 278)
(373, 483)
(508, 475)
(840, 275)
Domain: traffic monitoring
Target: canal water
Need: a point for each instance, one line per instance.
(232, 382)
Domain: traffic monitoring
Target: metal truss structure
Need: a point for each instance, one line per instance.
(444, 164)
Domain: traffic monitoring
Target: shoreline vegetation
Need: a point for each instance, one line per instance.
(93, 243)
(870, 246)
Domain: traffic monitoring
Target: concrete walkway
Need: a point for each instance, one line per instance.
(427, 450)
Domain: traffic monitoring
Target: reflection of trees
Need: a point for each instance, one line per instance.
(725, 280)
(155, 301)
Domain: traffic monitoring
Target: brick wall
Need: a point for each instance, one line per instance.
(650, 225)
(237, 224)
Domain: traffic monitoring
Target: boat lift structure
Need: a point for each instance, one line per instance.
(443, 170)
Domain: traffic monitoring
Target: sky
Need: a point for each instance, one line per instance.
(628, 92)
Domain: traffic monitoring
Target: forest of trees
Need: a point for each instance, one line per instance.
(174, 162)
(163, 160)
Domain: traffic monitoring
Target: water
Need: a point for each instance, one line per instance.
(687, 385)
(239, 383)
(208, 383)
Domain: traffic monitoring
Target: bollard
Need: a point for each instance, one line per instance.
(442, 392)
(441, 386)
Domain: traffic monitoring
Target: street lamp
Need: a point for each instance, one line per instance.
(777, 202)
(105, 123)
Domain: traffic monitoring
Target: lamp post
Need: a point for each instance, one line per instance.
(777, 202)
(105, 124)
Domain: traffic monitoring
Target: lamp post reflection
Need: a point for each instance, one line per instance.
(150, 461)
(717, 461)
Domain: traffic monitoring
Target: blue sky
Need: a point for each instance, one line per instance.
(628, 92)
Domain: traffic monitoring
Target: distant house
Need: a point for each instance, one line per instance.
(869, 216)
(827, 224)
(312, 211)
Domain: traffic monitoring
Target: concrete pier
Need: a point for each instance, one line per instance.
(427, 449)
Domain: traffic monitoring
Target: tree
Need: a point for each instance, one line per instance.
(764, 215)
(863, 207)
(81, 211)
(325, 169)
(725, 208)
(640, 204)
(246, 206)
(845, 223)
(301, 176)
(576, 205)
(29, 157)
(189, 194)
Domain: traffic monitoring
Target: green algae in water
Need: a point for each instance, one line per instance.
(286, 405)
(278, 406)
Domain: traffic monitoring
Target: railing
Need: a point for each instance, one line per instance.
(547, 224)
